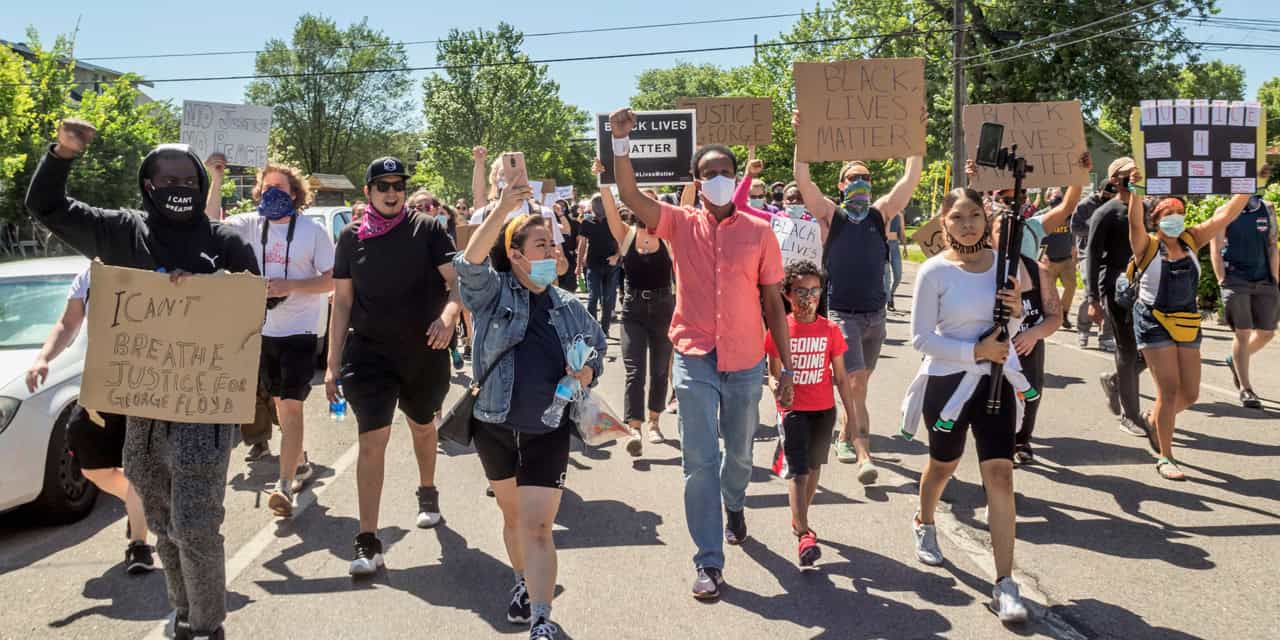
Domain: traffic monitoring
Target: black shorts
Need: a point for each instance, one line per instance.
(96, 447)
(994, 434)
(376, 378)
(534, 460)
(806, 440)
(288, 364)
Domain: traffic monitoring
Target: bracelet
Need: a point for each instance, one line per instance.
(621, 147)
(788, 373)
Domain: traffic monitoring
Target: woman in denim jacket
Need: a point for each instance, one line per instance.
(522, 318)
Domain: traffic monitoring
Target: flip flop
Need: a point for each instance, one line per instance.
(1169, 470)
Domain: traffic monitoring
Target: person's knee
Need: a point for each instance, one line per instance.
(1242, 336)
(1188, 395)
(997, 475)
(1261, 337)
(373, 444)
(424, 430)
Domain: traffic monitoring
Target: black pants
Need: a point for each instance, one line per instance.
(645, 323)
(1129, 363)
(1033, 368)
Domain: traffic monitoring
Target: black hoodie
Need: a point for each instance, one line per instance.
(141, 240)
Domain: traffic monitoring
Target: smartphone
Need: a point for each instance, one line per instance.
(989, 144)
(513, 169)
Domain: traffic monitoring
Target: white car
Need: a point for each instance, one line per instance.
(36, 469)
(334, 220)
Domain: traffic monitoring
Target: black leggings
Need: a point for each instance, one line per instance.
(1033, 368)
(993, 434)
(646, 346)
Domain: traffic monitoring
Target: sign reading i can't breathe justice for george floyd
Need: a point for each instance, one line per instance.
(744, 121)
(860, 109)
(179, 352)
(662, 146)
(237, 131)
(1050, 135)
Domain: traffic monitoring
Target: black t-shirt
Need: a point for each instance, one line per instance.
(539, 364)
(647, 271)
(398, 289)
(600, 243)
(571, 240)
(1108, 249)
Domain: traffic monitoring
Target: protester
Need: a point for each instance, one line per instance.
(855, 254)
(1245, 263)
(951, 325)
(598, 262)
(97, 445)
(1107, 252)
(1060, 258)
(179, 470)
(718, 365)
(804, 430)
(1080, 232)
(394, 291)
(897, 239)
(647, 307)
(742, 201)
(295, 254)
(1166, 318)
(570, 226)
(524, 328)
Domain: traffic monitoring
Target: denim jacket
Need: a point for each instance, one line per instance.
(499, 305)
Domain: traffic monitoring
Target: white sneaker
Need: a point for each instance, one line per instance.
(368, 555)
(1007, 603)
(429, 508)
(302, 474)
(927, 549)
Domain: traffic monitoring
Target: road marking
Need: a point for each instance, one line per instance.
(246, 554)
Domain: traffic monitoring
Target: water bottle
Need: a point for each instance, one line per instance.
(338, 408)
(565, 391)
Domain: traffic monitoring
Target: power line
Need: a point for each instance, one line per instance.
(1064, 45)
(1058, 34)
(638, 27)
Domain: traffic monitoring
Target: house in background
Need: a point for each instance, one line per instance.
(331, 190)
(88, 77)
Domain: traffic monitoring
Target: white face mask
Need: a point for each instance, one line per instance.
(718, 190)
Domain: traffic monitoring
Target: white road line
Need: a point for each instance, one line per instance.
(246, 554)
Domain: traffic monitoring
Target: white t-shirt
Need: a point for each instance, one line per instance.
(950, 312)
(80, 287)
(310, 255)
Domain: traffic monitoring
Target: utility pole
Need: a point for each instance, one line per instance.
(959, 94)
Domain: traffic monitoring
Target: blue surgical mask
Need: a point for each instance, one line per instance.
(795, 210)
(757, 203)
(1173, 224)
(543, 272)
(276, 204)
(443, 219)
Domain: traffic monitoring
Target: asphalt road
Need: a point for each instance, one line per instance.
(1106, 548)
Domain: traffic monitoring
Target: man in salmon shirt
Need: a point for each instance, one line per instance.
(727, 266)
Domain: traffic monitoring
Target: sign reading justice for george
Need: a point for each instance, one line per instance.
(860, 109)
(745, 121)
(183, 353)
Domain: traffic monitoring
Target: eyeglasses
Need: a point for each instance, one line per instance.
(857, 176)
(383, 186)
(806, 293)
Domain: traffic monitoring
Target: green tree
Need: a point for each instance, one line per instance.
(1214, 80)
(108, 174)
(335, 104)
(658, 89)
(490, 95)
(1269, 96)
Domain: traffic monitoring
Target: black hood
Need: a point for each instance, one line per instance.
(155, 214)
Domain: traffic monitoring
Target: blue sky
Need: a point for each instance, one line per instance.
(112, 28)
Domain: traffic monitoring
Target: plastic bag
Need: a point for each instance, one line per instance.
(597, 422)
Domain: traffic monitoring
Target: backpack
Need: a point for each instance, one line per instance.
(838, 222)
(1127, 284)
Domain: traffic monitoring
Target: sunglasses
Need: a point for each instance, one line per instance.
(854, 176)
(806, 293)
(382, 186)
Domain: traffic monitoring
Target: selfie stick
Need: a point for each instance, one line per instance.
(1007, 259)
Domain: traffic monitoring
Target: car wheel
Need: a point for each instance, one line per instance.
(67, 495)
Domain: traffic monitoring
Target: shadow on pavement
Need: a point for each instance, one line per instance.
(22, 544)
(1056, 381)
(319, 531)
(1102, 620)
(603, 523)
(1220, 409)
(131, 598)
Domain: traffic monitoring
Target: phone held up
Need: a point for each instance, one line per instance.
(513, 169)
(989, 144)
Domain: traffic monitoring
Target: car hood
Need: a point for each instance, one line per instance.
(14, 364)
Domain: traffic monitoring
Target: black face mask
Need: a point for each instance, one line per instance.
(176, 203)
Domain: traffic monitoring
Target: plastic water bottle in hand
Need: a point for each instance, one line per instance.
(338, 408)
(566, 391)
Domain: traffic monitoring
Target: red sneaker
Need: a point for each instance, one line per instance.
(809, 550)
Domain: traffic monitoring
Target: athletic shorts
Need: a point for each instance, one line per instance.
(865, 334)
(93, 446)
(1150, 334)
(993, 434)
(1251, 305)
(377, 378)
(288, 364)
(534, 460)
(806, 440)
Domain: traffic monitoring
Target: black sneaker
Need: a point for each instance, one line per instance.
(1067, 326)
(735, 527)
(707, 585)
(1249, 399)
(138, 559)
(257, 452)
(428, 508)
(1108, 382)
(518, 610)
(368, 555)
(544, 629)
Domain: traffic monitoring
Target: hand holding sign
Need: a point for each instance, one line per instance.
(622, 122)
(74, 136)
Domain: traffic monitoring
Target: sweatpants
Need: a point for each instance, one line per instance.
(180, 472)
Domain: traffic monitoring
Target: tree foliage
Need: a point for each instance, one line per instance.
(1214, 80)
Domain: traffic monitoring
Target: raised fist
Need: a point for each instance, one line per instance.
(216, 163)
(755, 167)
(622, 122)
(74, 135)
(479, 153)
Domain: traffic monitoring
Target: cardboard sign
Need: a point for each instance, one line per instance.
(463, 232)
(548, 186)
(662, 147)
(184, 353)
(237, 131)
(930, 238)
(564, 193)
(798, 239)
(1050, 135)
(743, 121)
(860, 109)
(1197, 155)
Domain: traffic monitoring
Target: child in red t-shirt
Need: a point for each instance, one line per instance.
(817, 353)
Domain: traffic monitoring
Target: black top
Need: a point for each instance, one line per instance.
(539, 365)
(571, 239)
(600, 242)
(1057, 244)
(1032, 303)
(1107, 250)
(135, 239)
(647, 271)
(398, 289)
(1081, 216)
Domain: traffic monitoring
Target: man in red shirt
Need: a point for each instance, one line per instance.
(727, 265)
(817, 352)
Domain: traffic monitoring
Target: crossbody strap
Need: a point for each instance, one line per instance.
(288, 244)
(485, 376)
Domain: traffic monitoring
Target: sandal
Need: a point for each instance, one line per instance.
(1168, 469)
(1022, 455)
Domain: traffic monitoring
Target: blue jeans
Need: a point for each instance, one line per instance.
(602, 291)
(715, 404)
(893, 275)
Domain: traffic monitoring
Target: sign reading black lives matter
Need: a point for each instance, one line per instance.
(1200, 147)
(662, 146)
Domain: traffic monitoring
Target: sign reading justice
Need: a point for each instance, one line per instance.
(184, 353)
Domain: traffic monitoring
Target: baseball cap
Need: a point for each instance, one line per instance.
(1120, 165)
(386, 166)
